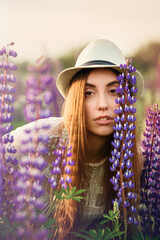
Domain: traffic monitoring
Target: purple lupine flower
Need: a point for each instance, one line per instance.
(29, 178)
(62, 164)
(150, 179)
(41, 80)
(8, 162)
(121, 162)
(39, 91)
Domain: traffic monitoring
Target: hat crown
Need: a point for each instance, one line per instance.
(101, 50)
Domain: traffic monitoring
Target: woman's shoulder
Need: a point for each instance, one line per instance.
(51, 127)
(51, 124)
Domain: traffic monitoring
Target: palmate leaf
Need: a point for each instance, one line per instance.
(85, 235)
(72, 193)
(90, 235)
(112, 216)
(69, 194)
(105, 233)
(100, 234)
(112, 234)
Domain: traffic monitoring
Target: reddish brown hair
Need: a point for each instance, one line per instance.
(74, 121)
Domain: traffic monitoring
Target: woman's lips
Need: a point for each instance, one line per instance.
(104, 120)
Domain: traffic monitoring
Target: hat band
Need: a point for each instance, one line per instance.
(97, 62)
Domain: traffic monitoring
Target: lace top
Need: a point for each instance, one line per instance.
(94, 204)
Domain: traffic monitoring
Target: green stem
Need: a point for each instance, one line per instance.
(125, 224)
(117, 223)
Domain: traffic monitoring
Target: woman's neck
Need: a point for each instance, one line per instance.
(97, 147)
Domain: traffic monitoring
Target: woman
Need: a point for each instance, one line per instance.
(90, 92)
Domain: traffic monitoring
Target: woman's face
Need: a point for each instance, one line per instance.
(100, 95)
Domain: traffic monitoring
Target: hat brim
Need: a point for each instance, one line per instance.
(66, 76)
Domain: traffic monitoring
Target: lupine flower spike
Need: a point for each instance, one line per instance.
(7, 160)
(150, 179)
(29, 203)
(122, 154)
(39, 92)
(62, 164)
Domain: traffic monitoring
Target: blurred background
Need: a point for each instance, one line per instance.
(59, 29)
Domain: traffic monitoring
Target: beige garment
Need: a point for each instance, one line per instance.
(94, 203)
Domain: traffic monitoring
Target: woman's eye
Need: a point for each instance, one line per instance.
(113, 91)
(88, 93)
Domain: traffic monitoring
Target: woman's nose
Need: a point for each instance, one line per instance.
(102, 102)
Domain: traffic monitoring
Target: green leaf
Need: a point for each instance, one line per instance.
(78, 198)
(110, 212)
(68, 190)
(64, 191)
(101, 233)
(93, 233)
(79, 191)
(113, 234)
(69, 194)
(83, 236)
(104, 221)
(108, 218)
(73, 189)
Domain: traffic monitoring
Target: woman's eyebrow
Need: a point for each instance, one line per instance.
(90, 85)
(112, 83)
(109, 84)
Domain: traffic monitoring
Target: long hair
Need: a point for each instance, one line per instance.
(74, 121)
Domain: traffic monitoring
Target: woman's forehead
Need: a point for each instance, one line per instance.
(101, 75)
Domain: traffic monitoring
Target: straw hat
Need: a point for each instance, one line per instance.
(101, 53)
